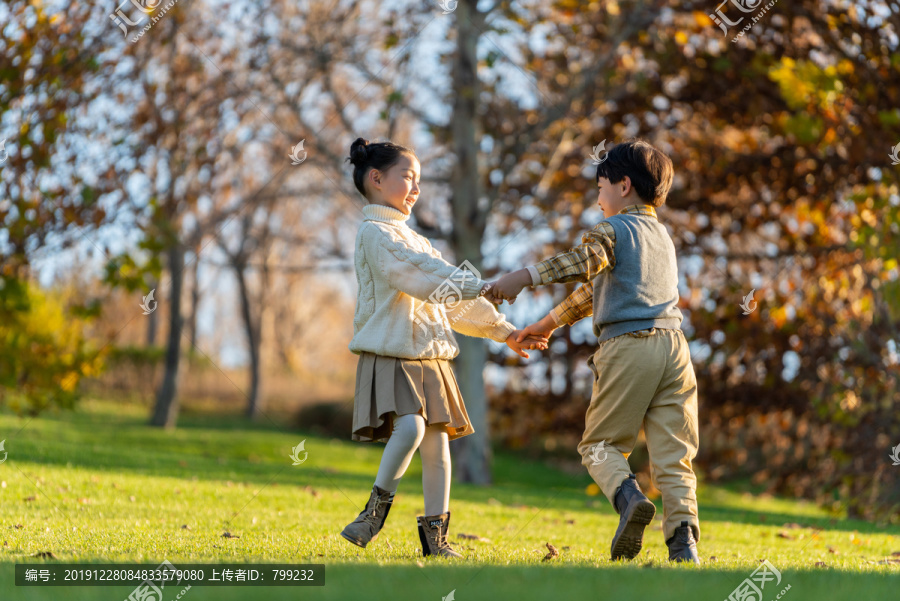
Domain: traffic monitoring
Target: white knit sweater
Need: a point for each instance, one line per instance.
(398, 308)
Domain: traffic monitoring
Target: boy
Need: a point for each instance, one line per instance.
(642, 366)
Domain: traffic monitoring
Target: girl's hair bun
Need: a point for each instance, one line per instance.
(358, 154)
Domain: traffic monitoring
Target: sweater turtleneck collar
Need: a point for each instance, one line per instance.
(385, 213)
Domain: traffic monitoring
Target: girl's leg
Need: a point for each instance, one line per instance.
(398, 452)
(435, 452)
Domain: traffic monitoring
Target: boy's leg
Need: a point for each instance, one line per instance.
(672, 436)
(626, 377)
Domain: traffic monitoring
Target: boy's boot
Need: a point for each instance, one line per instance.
(635, 511)
(433, 535)
(683, 545)
(365, 528)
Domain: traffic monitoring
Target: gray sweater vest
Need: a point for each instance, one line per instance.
(642, 290)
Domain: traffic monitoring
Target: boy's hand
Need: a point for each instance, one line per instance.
(541, 329)
(508, 287)
(518, 341)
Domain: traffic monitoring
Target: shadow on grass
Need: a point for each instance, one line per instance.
(230, 447)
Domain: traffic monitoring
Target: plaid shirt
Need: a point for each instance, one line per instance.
(595, 255)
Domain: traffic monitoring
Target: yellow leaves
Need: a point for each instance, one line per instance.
(868, 217)
(778, 316)
(612, 8)
(592, 490)
(69, 382)
(702, 20)
(681, 38)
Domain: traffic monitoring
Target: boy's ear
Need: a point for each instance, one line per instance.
(626, 186)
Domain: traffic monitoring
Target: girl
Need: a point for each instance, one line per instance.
(406, 392)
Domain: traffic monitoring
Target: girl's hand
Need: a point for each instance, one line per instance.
(542, 329)
(530, 342)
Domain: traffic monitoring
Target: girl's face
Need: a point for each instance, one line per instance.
(398, 186)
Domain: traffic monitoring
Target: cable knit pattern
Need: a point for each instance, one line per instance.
(400, 275)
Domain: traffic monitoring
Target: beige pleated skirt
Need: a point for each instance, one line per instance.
(402, 386)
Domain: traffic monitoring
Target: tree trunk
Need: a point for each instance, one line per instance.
(253, 405)
(195, 300)
(165, 414)
(473, 452)
(153, 320)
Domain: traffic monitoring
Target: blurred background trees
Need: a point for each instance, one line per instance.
(164, 165)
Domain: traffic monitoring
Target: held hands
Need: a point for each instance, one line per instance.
(541, 330)
(519, 341)
(508, 287)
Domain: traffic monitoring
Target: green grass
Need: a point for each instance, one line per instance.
(101, 486)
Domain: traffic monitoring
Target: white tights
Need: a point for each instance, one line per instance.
(411, 433)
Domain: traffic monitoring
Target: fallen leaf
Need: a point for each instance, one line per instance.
(833, 550)
(889, 561)
(821, 564)
(18, 526)
(185, 527)
(230, 535)
(791, 525)
(31, 498)
(785, 535)
(712, 558)
(45, 555)
(480, 539)
(553, 552)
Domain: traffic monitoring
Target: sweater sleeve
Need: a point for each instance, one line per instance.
(480, 319)
(421, 274)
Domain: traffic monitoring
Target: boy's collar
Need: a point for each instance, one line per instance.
(639, 209)
(385, 213)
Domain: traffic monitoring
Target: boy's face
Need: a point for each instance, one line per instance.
(607, 197)
(398, 186)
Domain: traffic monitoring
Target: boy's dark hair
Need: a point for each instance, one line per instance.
(648, 167)
(379, 155)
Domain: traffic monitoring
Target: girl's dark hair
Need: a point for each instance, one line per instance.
(649, 168)
(379, 155)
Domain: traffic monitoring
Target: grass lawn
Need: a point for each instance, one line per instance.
(101, 486)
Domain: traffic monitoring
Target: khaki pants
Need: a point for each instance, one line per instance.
(645, 378)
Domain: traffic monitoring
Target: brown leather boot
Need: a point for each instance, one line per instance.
(365, 528)
(433, 535)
